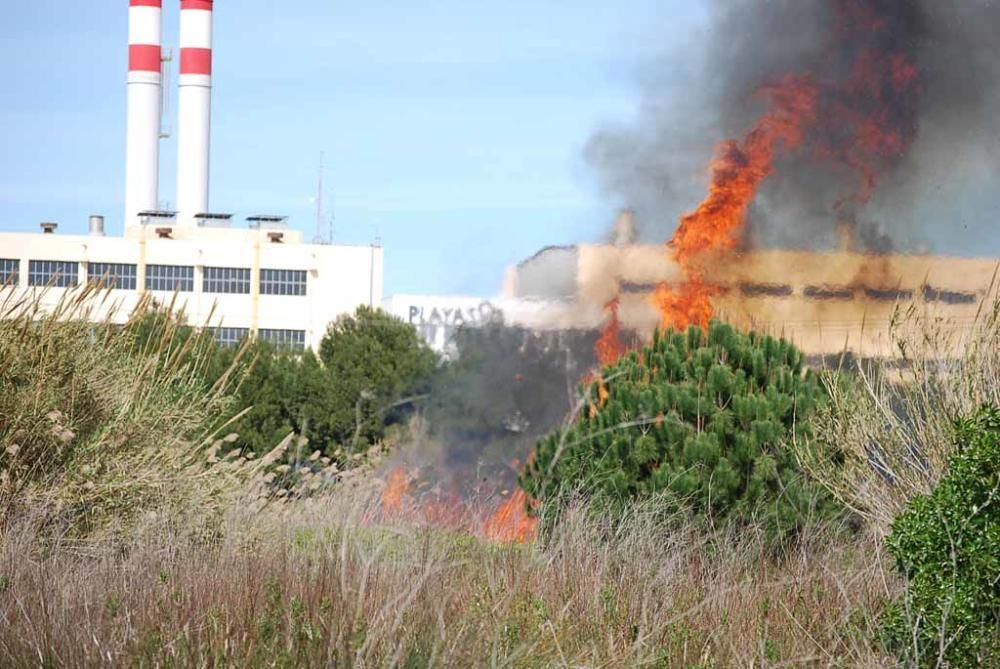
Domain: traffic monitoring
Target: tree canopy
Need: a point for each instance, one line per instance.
(342, 400)
(702, 418)
(375, 365)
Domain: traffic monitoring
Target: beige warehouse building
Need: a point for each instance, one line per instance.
(824, 302)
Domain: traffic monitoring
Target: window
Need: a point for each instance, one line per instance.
(948, 296)
(170, 278)
(226, 280)
(284, 339)
(230, 336)
(9, 269)
(282, 282)
(58, 273)
(765, 290)
(112, 275)
(889, 294)
(829, 292)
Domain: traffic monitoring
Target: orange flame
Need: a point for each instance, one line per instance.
(447, 510)
(609, 346)
(396, 492)
(737, 173)
(511, 522)
(689, 304)
(867, 121)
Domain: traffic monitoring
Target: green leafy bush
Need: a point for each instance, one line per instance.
(369, 363)
(376, 366)
(701, 420)
(947, 544)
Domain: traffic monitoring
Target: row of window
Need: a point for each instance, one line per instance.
(123, 276)
(930, 294)
(286, 340)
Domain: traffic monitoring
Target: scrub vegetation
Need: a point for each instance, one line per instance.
(158, 507)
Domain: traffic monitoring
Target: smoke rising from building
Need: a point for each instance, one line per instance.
(907, 93)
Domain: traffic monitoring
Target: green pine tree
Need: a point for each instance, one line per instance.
(702, 420)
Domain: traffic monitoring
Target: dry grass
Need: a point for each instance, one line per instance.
(98, 422)
(316, 586)
(893, 425)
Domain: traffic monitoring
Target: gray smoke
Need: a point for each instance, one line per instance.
(947, 124)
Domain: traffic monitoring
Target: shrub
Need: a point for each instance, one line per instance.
(99, 422)
(376, 365)
(700, 418)
(370, 362)
(947, 544)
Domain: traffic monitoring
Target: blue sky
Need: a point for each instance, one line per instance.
(455, 129)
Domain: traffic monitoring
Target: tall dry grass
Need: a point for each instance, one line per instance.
(97, 422)
(314, 585)
(891, 426)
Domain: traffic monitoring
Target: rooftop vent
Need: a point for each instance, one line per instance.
(97, 226)
(268, 221)
(276, 237)
(207, 219)
(157, 217)
(48, 227)
(624, 230)
(164, 233)
(845, 237)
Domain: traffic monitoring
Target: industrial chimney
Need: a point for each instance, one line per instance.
(194, 109)
(145, 80)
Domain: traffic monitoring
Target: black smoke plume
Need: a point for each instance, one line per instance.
(921, 75)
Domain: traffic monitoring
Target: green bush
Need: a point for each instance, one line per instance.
(947, 545)
(701, 421)
(376, 366)
(369, 363)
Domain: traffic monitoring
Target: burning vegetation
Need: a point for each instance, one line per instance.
(504, 517)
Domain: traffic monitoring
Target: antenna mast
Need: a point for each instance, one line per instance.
(318, 239)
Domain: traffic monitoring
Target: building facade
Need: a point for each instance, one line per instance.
(825, 302)
(261, 281)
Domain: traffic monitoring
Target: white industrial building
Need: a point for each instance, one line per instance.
(259, 280)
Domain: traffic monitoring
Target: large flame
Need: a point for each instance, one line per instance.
(737, 173)
(862, 120)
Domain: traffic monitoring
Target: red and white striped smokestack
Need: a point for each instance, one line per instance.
(194, 109)
(145, 81)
